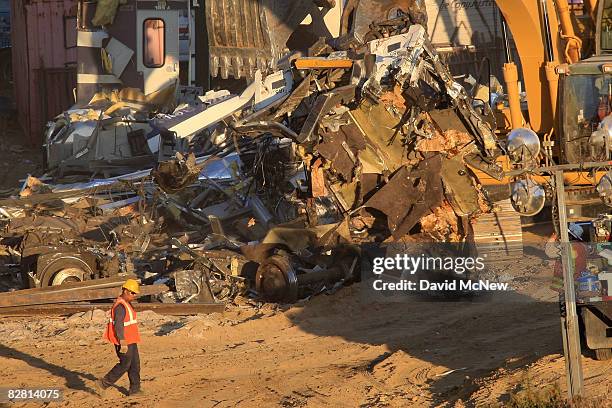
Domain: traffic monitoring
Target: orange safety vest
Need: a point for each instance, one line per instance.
(130, 324)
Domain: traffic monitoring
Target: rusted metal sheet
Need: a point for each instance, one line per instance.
(42, 56)
(403, 198)
(56, 89)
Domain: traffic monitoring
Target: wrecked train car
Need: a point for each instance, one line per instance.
(369, 141)
(128, 92)
(128, 66)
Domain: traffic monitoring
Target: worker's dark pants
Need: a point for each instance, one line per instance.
(128, 362)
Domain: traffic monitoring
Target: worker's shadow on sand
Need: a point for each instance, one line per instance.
(461, 341)
(74, 379)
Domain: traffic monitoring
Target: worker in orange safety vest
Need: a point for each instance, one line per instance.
(122, 331)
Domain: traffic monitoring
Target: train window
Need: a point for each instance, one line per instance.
(154, 43)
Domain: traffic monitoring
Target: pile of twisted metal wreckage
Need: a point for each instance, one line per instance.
(268, 192)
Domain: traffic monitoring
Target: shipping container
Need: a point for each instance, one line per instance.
(43, 35)
(5, 43)
(5, 24)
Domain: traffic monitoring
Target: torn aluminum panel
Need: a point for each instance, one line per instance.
(274, 87)
(459, 187)
(117, 134)
(397, 52)
(214, 168)
(340, 150)
(119, 55)
(424, 79)
(216, 106)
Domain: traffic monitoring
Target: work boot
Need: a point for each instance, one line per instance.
(136, 392)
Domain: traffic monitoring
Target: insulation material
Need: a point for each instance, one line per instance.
(33, 185)
(448, 141)
(442, 225)
(105, 12)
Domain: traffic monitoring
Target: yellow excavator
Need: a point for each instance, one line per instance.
(567, 125)
(565, 73)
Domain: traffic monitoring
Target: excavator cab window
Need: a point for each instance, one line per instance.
(587, 100)
(606, 26)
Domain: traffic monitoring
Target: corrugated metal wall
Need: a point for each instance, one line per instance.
(43, 61)
(467, 23)
(463, 22)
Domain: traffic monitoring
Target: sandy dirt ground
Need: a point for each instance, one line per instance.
(342, 350)
(348, 349)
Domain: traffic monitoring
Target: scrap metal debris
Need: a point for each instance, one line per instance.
(266, 193)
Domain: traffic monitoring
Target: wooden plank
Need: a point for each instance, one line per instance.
(181, 309)
(66, 309)
(72, 295)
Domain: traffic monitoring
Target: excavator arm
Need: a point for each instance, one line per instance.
(525, 20)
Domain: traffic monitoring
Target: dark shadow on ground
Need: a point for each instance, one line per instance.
(472, 336)
(74, 379)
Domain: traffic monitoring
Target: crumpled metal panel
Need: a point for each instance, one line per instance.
(459, 187)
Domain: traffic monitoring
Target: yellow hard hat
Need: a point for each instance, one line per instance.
(131, 285)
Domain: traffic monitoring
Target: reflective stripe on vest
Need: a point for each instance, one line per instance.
(129, 310)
